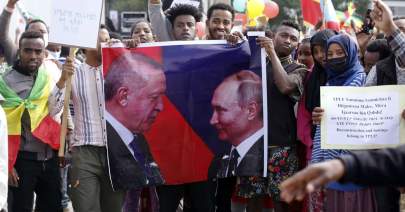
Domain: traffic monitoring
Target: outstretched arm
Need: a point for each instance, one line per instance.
(10, 49)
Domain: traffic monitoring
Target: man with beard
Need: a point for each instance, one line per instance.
(219, 21)
(285, 86)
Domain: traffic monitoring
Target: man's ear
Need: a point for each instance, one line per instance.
(252, 110)
(121, 96)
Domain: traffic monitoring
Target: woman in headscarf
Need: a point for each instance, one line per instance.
(315, 78)
(343, 68)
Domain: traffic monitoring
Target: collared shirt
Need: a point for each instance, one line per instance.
(246, 144)
(126, 135)
(88, 103)
(397, 44)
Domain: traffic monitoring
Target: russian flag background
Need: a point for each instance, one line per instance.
(182, 140)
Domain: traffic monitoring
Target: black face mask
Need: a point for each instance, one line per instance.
(337, 64)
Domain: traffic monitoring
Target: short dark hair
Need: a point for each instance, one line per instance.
(380, 46)
(396, 18)
(183, 9)
(125, 68)
(36, 21)
(291, 24)
(220, 6)
(31, 35)
(140, 21)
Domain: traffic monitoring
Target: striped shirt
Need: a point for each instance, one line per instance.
(88, 103)
(318, 154)
(397, 44)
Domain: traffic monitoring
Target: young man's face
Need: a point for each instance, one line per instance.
(285, 40)
(32, 53)
(219, 24)
(184, 27)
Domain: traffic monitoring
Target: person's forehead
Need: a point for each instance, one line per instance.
(371, 55)
(184, 19)
(226, 92)
(35, 43)
(334, 47)
(222, 14)
(305, 47)
(142, 25)
(288, 30)
(38, 26)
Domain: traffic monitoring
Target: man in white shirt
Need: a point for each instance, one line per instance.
(238, 118)
(91, 189)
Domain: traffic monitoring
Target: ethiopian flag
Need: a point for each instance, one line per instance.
(43, 126)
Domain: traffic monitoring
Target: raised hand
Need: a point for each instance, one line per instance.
(11, 3)
(382, 17)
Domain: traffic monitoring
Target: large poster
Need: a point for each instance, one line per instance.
(180, 112)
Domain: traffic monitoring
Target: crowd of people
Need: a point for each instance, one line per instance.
(32, 89)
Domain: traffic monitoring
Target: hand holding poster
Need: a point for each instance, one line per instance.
(362, 117)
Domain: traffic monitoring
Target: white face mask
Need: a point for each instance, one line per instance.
(55, 55)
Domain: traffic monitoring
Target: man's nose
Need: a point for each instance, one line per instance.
(288, 41)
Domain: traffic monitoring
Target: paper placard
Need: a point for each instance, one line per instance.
(362, 117)
(189, 2)
(75, 22)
